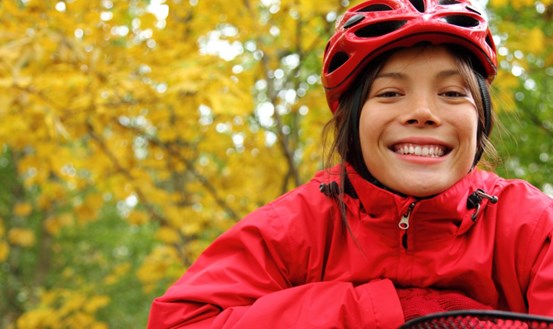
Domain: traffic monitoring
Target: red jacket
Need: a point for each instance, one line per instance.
(293, 263)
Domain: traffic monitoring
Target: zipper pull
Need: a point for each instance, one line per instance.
(404, 222)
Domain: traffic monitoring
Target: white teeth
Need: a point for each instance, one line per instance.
(432, 151)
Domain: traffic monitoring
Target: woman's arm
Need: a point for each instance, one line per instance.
(313, 305)
(247, 279)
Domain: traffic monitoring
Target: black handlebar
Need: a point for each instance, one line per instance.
(474, 319)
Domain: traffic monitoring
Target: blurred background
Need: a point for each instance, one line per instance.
(132, 133)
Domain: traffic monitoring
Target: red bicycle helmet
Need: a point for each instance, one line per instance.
(376, 26)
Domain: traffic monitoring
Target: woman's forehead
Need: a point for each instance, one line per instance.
(431, 55)
(436, 61)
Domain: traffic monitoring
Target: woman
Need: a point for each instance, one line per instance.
(405, 225)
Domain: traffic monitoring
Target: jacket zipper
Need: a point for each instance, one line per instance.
(404, 224)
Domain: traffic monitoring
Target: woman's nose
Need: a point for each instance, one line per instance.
(422, 113)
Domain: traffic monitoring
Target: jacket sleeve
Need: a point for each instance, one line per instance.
(248, 278)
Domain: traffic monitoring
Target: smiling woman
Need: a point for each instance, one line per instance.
(405, 224)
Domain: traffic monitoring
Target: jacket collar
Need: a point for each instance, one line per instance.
(450, 204)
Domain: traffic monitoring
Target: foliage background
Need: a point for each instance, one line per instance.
(134, 132)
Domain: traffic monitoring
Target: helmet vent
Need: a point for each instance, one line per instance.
(489, 41)
(379, 29)
(448, 2)
(462, 20)
(353, 20)
(419, 5)
(474, 10)
(376, 7)
(338, 60)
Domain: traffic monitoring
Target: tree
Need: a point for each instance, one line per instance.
(176, 117)
(523, 89)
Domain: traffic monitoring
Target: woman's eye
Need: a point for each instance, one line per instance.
(388, 94)
(453, 93)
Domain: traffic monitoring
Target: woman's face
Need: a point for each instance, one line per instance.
(418, 126)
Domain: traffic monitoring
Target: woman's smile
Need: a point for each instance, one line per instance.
(431, 151)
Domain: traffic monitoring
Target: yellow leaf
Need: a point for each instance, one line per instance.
(53, 225)
(99, 325)
(499, 3)
(88, 210)
(51, 194)
(167, 135)
(503, 97)
(192, 227)
(95, 303)
(148, 21)
(85, 213)
(37, 5)
(137, 217)
(38, 318)
(23, 209)
(518, 4)
(74, 302)
(21, 237)
(167, 235)
(117, 273)
(536, 40)
(60, 308)
(4, 251)
(10, 8)
(162, 262)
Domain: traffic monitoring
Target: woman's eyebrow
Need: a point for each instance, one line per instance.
(401, 76)
(393, 75)
(448, 73)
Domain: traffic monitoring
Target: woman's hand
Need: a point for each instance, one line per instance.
(417, 302)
